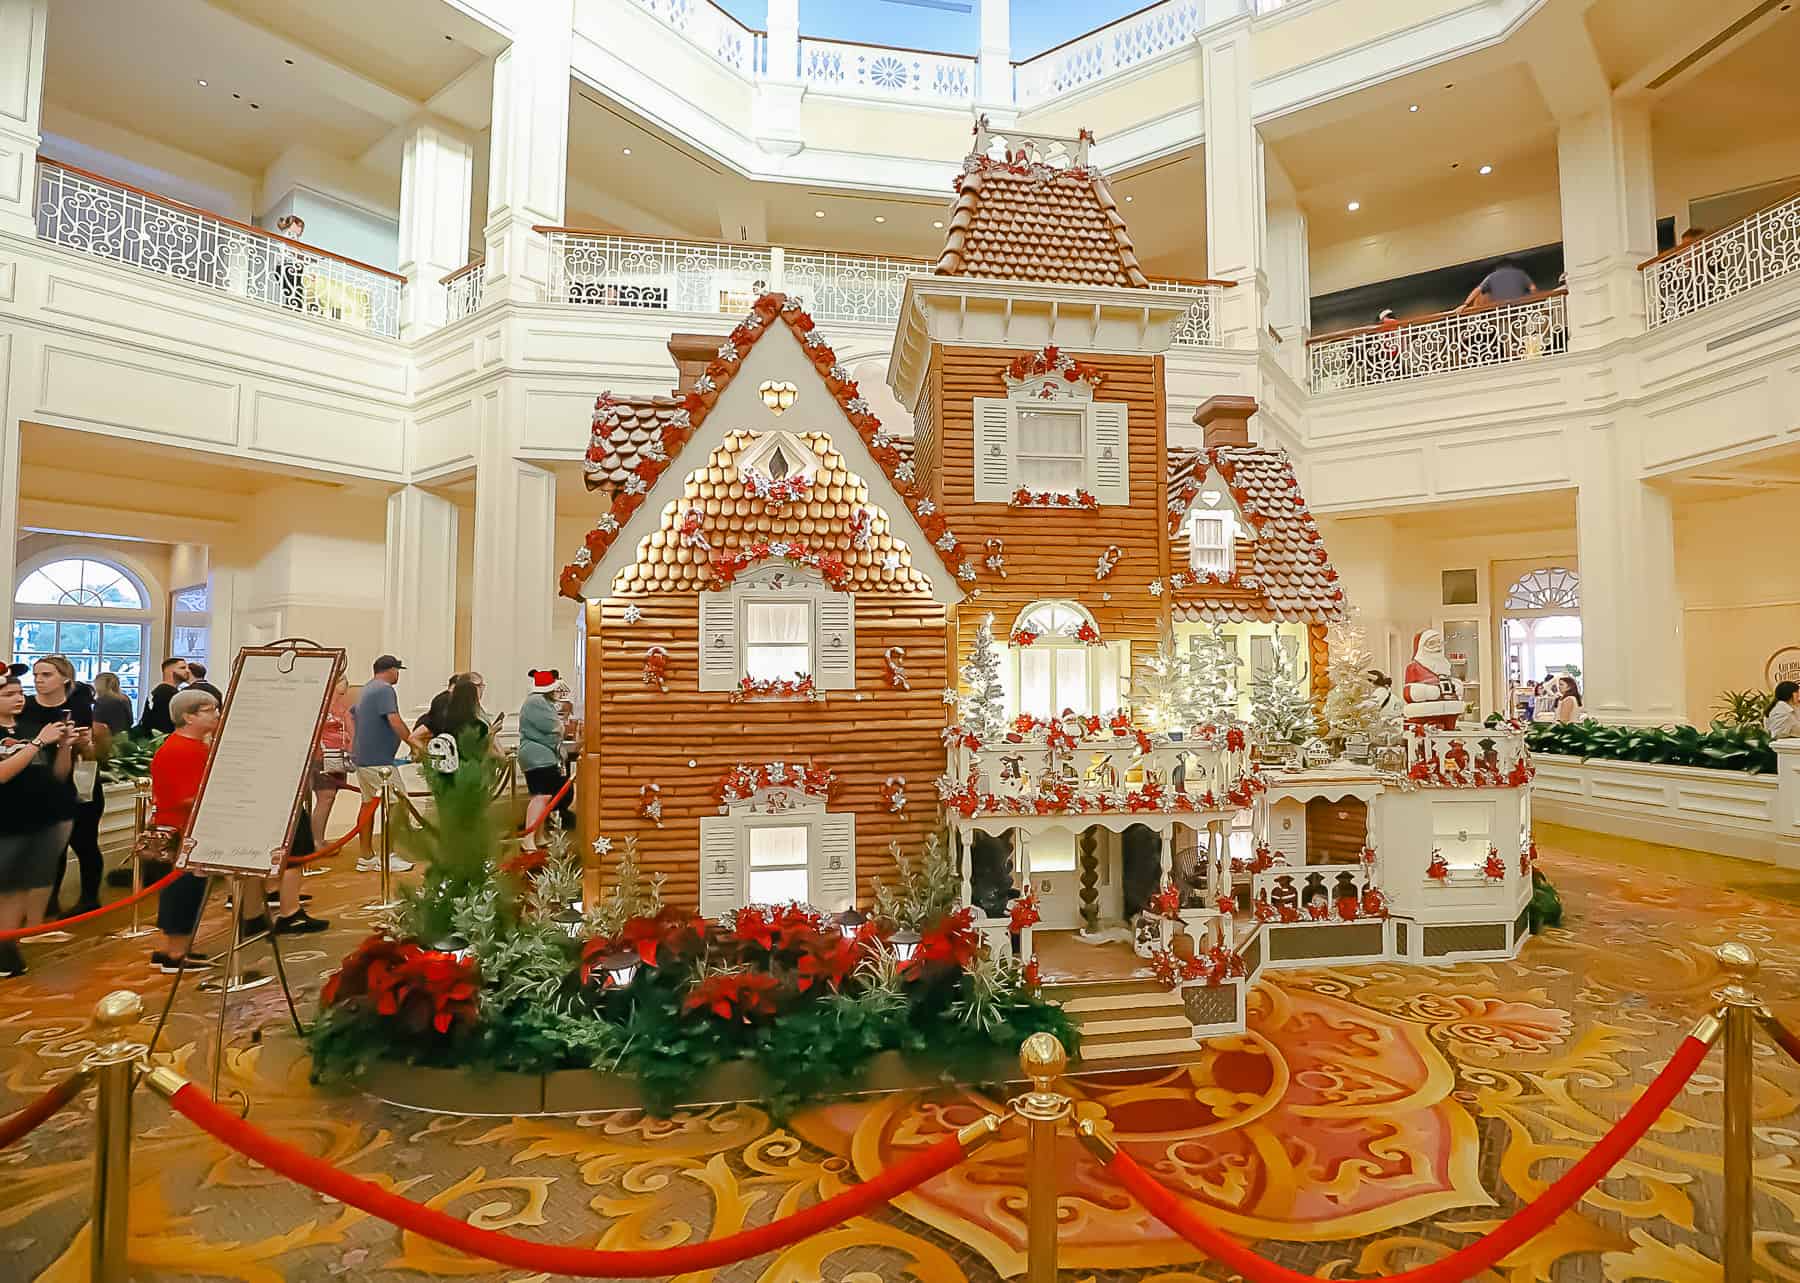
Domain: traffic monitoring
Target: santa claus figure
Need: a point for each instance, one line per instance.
(1433, 696)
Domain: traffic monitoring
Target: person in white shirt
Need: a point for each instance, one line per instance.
(1783, 719)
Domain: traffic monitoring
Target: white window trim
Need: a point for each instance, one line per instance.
(147, 618)
(757, 453)
(721, 894)
(1100, 420)
(1058, 641)
(724, 616)
(743, 602)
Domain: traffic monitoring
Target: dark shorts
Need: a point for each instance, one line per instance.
(28, 861)
(544, 781)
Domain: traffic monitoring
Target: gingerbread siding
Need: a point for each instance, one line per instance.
(638, 735)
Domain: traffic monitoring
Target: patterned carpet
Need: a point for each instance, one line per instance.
(1372, 1119)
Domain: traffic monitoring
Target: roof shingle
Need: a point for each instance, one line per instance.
(1029, 221)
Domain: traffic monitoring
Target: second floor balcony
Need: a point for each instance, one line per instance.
(1442, 344)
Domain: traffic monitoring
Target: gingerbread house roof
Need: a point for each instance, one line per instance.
(636, 439)
(1025, 220)
(1283, 573)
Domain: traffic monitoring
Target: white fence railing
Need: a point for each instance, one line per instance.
(462, 291)
(1137, 38)
(1457, 341)
(739, 47)
(1199, 328)
(1740, 257)
(839, 66)
(93, 215)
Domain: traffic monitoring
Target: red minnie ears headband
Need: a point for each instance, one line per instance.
(543, 678)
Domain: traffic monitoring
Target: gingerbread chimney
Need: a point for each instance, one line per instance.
(1225, 420)
(691, 353)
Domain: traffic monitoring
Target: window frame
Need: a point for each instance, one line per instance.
(1079, 456)
(807, 603)
(100, 616)
(808, 837)
(1052, 642)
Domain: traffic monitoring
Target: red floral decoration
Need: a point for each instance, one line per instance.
(1439, 868)
(1032, 975)
(736, 997)
(1494, 868)
(1024, 912)
(1367, 856)
(1216, 966)
(1080, 500)
(801, 687)
(1318, 911)
(1023, 637)
(524, 863)
(1087, 634)
(1235, 740)
(421, 990)
(952, 942)
(1265, 912)
(893, 794)
(1052, 360)
(1227, 905)
(1347, 908)
(1374, 903)
(1166, 903)
(743, 781)
(777, 491)
(727, 566)
(656, 667)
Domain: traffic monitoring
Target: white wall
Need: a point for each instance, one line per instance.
(1740, 591)
(143, 162)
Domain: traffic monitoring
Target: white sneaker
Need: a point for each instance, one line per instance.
(372, 864)
(368, 863)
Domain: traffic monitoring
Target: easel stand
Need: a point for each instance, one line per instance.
(232, 978)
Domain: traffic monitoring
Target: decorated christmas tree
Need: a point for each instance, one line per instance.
(1279, 705)
(1353, 704)
(1159, 690)
(1212, 666)
(982, 705)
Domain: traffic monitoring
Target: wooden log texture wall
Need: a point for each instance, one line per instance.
(1053, 552)
(638, 735)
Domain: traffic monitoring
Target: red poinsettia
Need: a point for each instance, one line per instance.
(1032, 975)
(1346, 908)
(1087, 634)
(524, 863)
(1023, 637)
(422, 989)
(1439, 868)
(1234, 740)
(951, 942)
(1166, 903)
(1318, 911)
(1024, 912)
(1227, 905)
(1374, 904)
(1494, 867)
(734, 996)
(829, 958)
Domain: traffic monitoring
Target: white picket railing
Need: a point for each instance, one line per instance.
(1740, 257)
(1136, 38)
(94, 215)
(843, 66)
(741, 48)
(1455, 341)
(462, 290)
(1199, 328)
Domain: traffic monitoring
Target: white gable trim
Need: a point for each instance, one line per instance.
(776, 355)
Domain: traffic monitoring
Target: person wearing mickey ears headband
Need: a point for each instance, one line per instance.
(36, 761)
(540, 749)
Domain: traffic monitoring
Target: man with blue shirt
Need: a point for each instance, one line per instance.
(379, 730)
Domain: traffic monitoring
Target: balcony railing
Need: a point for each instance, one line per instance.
(743, 49)
(1534, 327)
(845, 66)
(95, 215)
(1136, 38)
(462, 290)
(638, 273)
(1096, 777)
(1734, 259)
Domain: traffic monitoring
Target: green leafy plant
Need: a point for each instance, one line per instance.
(924, 890)
(1546, 906)
(128, 757)
(1741, 708)
(1720, 747)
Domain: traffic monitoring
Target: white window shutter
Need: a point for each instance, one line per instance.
(834, 641)
(721, 865)
(1108, 464)
(993, 450)
(833, 859)
(721, 659)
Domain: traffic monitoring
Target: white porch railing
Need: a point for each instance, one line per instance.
(94, 215)
(1737, 258)
(843, 66)
(1199, 328)
(1448, 343)
(743, 49)
(1133, 39)
(462, 290)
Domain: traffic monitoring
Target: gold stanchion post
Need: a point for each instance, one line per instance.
(1739, 1013)
(140, 824)
(1043, 1059)
(114, 1065)
(384, 844)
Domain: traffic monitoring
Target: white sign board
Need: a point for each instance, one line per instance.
(262, 760)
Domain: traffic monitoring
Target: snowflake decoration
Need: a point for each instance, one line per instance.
(635, 484)
(903, 473)
(890, 562)
(1156, 587)
(653, 451)
(925, 507)
(583, 558)
(607, 524)
(946, 541)
(602, 845)
(728, 351)
(705, 384)
(780, 547)
(840, 373)
(965, 571)
(857, 405)
(881, 441)
(681, 419)
(950, 695)
(814, 339)
(633, 614)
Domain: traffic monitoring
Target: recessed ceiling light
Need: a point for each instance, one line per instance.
(938, 223)
(1413, 107)
(1456, 164)
(628, 151)
(255, 106)
(1128, 200)
(288, 61)
(1487, 169)
(880, 218)
(238, 96)
(1450, 85)
(818, 213)
(201, 83)
(1353, 206)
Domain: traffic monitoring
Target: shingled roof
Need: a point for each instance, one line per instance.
(1019, 217)
(1283, 573)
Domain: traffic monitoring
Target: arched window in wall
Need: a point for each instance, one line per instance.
(1059, 671)
(1541, 625)
(96, 612)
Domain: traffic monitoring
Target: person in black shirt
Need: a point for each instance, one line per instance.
(35, 762)
(59, 696)
(110, 705)
(197, 671)
(156, 719)
(460, 717)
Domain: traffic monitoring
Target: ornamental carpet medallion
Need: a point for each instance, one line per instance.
(1373, 1119)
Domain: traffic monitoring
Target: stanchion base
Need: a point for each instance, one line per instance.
(314, 873)
(133, 933)
(249, 980)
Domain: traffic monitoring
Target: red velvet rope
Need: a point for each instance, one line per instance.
(21, 933)
(15, 1127)
(1518, 1229)
(363, 815)
(555, 802)
(545, 1258)
(1785, 1038)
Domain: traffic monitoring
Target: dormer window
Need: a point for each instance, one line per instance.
(1052, 450)
(778, 464)
(778, 456)
(1213, 528)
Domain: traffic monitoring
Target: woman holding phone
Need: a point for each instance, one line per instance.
(35, 761)
(58, 696)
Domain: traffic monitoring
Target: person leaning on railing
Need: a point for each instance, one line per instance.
(36, 759)
(293, 271)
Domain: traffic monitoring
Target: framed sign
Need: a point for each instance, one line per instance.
(1783, 666)
(262, 760)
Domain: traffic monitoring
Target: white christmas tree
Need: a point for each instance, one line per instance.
(1212, 665)
(1279, 705)
(1158, 691)
(1353, 704)
(982, 706)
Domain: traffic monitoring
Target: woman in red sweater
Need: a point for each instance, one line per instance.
(175, 775)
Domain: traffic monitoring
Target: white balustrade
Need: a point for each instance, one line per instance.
(848, 287)
(462, 290)
(1455, 341)
(741, 48)
(1737, 258)
(842, 66)
(93, 215)
(1099, 776)
(1199, 327)
(1296, 889)
(1136, 38)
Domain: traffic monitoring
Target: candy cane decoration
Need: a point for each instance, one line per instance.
(1109, 561)
(893, 792)
(895, 657)
(691, 534)
(650, 803)
(996, 557)
(862, 528)
(656, 667)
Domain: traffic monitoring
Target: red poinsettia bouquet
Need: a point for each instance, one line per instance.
(1166, 903)
(421, 990)
(949, 944)
(1024, 912)
(670, 938)
(736, 997)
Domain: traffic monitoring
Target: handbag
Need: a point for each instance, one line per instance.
(334, 761)
(157, 844)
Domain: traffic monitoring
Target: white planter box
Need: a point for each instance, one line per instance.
(1725, 812)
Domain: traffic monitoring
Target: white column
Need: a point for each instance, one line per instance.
(12, 403)
(1608, 219)
(22, 26)
(775, 108)
(418, 599)
(1234, 184)
(993, 73)
(1289, 268)
(436, 180)
(514, 581)
(1632, 655)
(784, 41)
(528, 149)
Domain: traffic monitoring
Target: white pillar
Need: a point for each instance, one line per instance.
(436, 180)
(528, 149)
(418, 600)
(1289, 310)
(1234, 184)
(1608, 219)
(993, 73)
(22, 26)
(775, 107)
(514, 582)
(1632, 655)
(12, 403)
(784, 41)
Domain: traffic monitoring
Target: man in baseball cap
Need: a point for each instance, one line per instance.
(379, 732)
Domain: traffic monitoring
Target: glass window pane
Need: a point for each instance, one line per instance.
(38, 590)
(1072, 679)
(189, 643)
(1050, 432)
(777, 622)
(77, 638)
(1034, 682)
(777, 886)
(124, 639)
(776, 663)
(1063, 475)
(33, 637)
(775, 847)
(1052, 852)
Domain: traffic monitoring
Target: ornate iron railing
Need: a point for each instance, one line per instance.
(94, 215)
(1737, 258)
(848, 287)
(462, 290)
(1199, 328)
(743, 49)
(1133, 39)
(844, 66)
(1455, 341)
